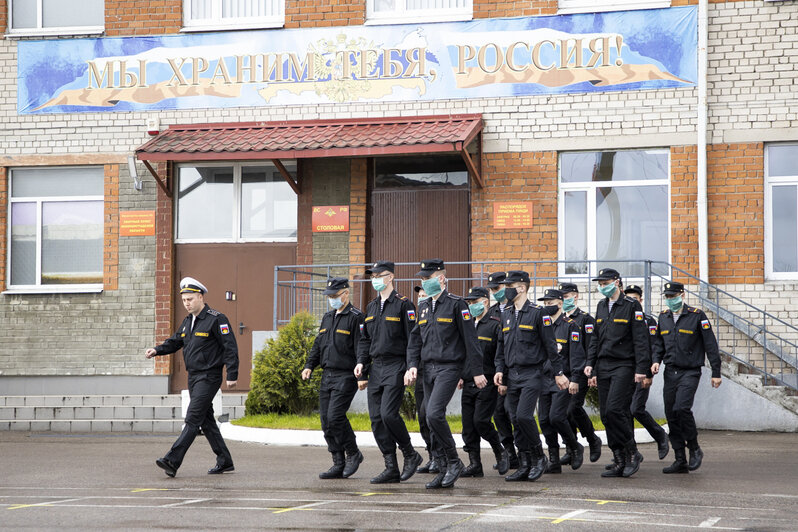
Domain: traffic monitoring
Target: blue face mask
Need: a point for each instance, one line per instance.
(607, 290)
(498, 295)
(431, 286)
(335, 302)
(674, 303)
(422, 299)
(476, 309)
(568, 304)
(378, 283)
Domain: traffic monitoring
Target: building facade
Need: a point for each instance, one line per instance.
(143, 141)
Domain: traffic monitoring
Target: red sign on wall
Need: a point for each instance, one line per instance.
(515, 215)
(136, 223)
(331, 219)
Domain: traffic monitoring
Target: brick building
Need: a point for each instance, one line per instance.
(586, 113)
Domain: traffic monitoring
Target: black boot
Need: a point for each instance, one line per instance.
(436, 482)
(595, 448)
(618, 464)
(696, 455)
(521, 474)
(662, 446)
(554, 466)
(391, 473)
(353, 461)
(577, 456)
(454, 468)
(426, 467)
(502, 463)
(633, 459)
(566, 457)
(474, 468)
(537, 464)
(512, 457)
(679, 465)
(411, 464)
(337, 469)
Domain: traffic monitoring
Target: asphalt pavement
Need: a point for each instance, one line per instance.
(50, 481)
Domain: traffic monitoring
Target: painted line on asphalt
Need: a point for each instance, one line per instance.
(303, 507)
(183, 503)
(568, 516)
(709, 523)
(437, 508)
(46, 503)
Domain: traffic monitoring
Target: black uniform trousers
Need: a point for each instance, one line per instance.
(202, 388)
(477, 408)
(440, 383)
(616, 385)
(524, 389)
(576, 411)
(338, 388)
(386, 390)
(639, 412)
(553, 417)
(503, 424)
(679, 392)
(421, 410)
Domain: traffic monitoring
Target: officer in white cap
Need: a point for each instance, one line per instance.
(208, 344)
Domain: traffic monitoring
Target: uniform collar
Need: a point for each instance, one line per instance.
(203, 312)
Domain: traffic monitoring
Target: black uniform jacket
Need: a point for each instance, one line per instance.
(488, 330)
(571, 345)
(446, 336)
(385, 333)
(528, 341)
(682, 345)
(208, 347)
(495, 311)
(335, 346)
(621, 336)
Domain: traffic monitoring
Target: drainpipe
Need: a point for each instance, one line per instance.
(701, 144)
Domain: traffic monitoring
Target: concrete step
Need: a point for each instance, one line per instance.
(172, 400)
(172, 426)
(8, 413)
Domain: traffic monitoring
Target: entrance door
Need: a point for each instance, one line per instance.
(247, 272)
(420, 209)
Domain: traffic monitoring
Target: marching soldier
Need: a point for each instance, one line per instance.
(576, 406)
(445, 342)
(478, 405)
(421, 412)
(684, 338)
(383, 345)
(208, 344)
(618, 358)
(335, 351)
(526, 343)
(640, 398)
(553, 405)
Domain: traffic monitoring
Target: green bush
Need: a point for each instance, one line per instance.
(277, 385)
(408, 407)
(592, 398)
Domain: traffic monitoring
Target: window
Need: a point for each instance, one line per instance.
(613, 207)
(401, 11)
(56, 17)
(235, 203)
(233, 14)
(56, 229)
(445, 171)
(591, 6)
(781, 206)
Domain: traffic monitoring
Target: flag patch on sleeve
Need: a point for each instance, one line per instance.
(589, 328)
(411, 315)
(361, 328)
(466, 315)
(546, 321)
(705, 324)
(638, 315)
(652, 330)
(574, 336)
(224, 328)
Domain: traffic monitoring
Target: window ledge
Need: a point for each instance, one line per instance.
(232, 27)
(54, 290)
(54, 32)
(602, 8)
(414, 19)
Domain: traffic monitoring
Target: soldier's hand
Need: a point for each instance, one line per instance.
(502, 390)
(561, 381)
(306, 373)
(592, 382)
(646, 383)
(460, 384)
(230, 384)
(655, 368)
(149, 353)
(361, 385)
(480, 381)
(716, 382)
(640, 377)
(497, 379)
(588, 371)
(410, 376)
(358, 370)
(573, 388)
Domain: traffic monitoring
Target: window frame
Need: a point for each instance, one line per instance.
(588, 6)
(216, 22)
(589, 187)
(236, 225)
(40, 31)
(770, 275)
(403, 16)
(40, 288)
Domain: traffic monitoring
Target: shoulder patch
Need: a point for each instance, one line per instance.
(575, 336)
(466, 314)
(705, 324)
(589, 328)
(652, 330)
(361, 327)
(495, 318)
(693, 309)
(639, 315)
(224, 328)
(664, 311)
(411, 315)
(400, 296)
(546, 321)
(213, 312)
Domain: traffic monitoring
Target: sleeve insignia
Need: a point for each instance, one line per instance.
(652, 330)
(411, 315)
(705, 324)
(224, 328)
(466, 315)
(361, 328)
(589, 328)
(575, 336)
(546, 321)
(639, 315)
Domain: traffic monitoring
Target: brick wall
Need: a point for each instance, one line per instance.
(358, 198)
(684, 216)
(111, 240)
(514, 8)
(304, 235)
(164, 268)
(736, 213)
(3, 15)
(142, 17)
(309, 13)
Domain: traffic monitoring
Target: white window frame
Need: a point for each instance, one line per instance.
(40, 288)
(589, 187)
(216, 22)
(591, 6)
(770, 275)
(401, 15)
(39, 30)
(235, 228)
